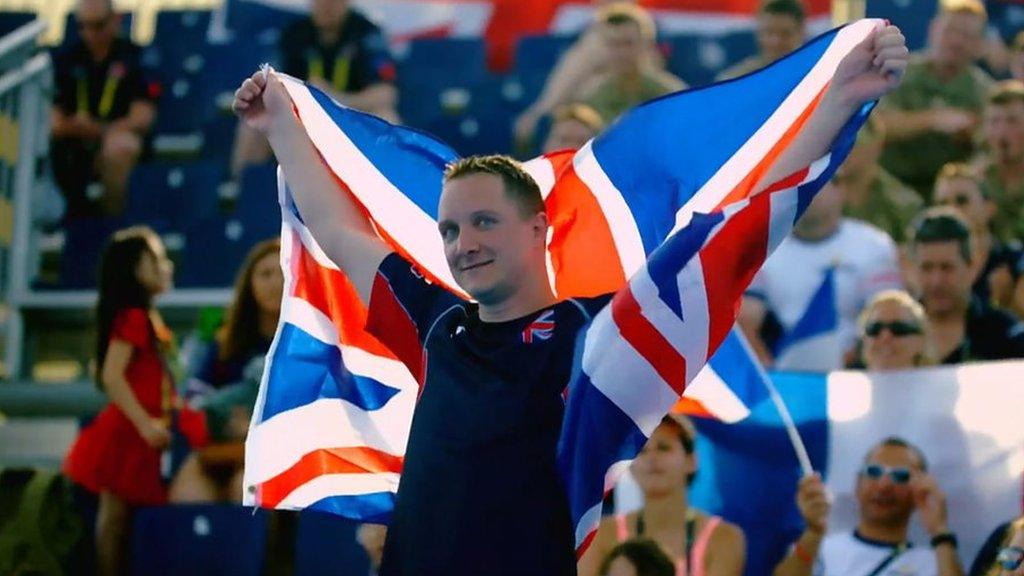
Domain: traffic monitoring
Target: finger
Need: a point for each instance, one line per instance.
(259, 78)
(893, 53)
(893, 70)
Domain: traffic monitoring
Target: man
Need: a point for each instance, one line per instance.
(103, 108)
(573, 126)
(863, 261)
(780, 30)
(480, 493)
(960, 187)
(892, 484)
(872, 194)
(628, 32)
(1003, 167)
(963, 327)
(932, 118)
(341, 52)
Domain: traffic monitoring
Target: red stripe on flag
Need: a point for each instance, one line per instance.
(647, 340)
(582, 548)
(392, 323)
(691, 407)
(579, 227)
(354, 460)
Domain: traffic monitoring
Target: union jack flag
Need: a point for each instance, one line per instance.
(541, 328)
(659, 208)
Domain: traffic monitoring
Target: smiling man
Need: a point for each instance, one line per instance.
(892, 484)
(480, 492)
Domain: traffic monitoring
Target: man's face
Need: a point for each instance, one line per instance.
(778, 35)
(625, 46)
(887, 501)
(97, 24)
(1004, 132)
(328, 13)
(955, 38)
(964, 195)
(568, 134)
(826, 209)
(490, 246)
(943, 276)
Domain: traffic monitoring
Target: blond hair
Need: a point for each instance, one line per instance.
(904, 300)
(622, 12)
(975, 7)
(582, 113)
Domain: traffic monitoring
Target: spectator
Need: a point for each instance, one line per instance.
(961, 187)
(103, 109)
(892, 484)
(118, 455)
(340, 51)
(574, 125)
(637, 557)
(226, 381)
(863, 260)
(780, 30)
(1017, 57)
(587, 58)
(371, 537)
(963, 326)
(1003, 166)
(894, 333)
(1003, 551)
(628, 79)
(664, 470)
(932, 117)
(872, 194)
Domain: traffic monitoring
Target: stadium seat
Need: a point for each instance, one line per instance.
(170, 197)
(459, 60)
(540, 52)
(258, 21)
(177, 46)
(219, 138)
(11, 21)
(83, 242)
(738, 46)
(182, 107)
(222, 540)
(483, 128)
(326, 545)
(697, 59)
(224, 67)
(257, 207)
(214, 249)
(912, 16)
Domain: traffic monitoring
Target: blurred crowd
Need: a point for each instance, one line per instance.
(913, 250)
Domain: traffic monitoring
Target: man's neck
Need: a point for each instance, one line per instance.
(858, 185)
(888, 534)
(952, 319)
(100, 52)
(816, 231)
(946, 71)
(329, 35)
(663, 512)
(526, 301)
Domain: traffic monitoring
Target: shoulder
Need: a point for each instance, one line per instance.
(588, 307)
(361, 24)
(727, 535)
(1002, 322)
(667, 80)
(593, 85)
(127, 49)
(867, 236)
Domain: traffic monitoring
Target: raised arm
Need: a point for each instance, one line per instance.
(327, 209)
(874, 68)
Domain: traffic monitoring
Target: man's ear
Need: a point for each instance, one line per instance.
(540, 226)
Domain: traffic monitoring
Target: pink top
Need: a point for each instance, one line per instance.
(700, 544)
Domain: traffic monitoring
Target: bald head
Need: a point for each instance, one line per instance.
(97, 25)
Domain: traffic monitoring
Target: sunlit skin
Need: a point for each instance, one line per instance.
(662, 466)
(884, 504)
(1004, 132)
(887, 351)
(568, 134)
(155, 270)
(268, 284)
(955, 40)
(943, 277)
(626, 48)
(778, 35)
(964, 195)
(98, 26)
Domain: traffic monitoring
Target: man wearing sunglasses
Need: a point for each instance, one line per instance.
(963, 327)
(103, 108)
(892, 484)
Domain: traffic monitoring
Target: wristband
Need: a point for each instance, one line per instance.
(944, 538)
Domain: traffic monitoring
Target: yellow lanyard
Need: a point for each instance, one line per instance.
(339, 80)
(106, 97)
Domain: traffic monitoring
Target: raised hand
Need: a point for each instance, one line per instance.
(874, 68)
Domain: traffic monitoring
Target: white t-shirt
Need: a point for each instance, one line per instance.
(865, 261)
(847, 554)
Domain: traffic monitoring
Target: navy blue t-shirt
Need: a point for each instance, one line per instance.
(480, 493)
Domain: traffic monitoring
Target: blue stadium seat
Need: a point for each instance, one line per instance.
(484, 128)
(214, 249)
(458, 60)
(912, 16)
(220, 540)
(697, 59)
(225, 65)
(738, 45)
(83, 242)
(182, 26)
(11, 21)
(326, 545)
(219, 138)
(256, 20)
(182, 107)
(540, 52)
(177, 47)
(257, 207)
(170, 197)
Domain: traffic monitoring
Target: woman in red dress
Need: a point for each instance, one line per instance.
(118, 455)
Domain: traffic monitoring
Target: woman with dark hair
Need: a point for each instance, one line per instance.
(119, 455)
(225, 381)
(699, 544)
(637, 557)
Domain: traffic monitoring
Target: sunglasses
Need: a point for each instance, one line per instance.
(960, 200)
(1010, 557)
(897, 328)
(898, 475)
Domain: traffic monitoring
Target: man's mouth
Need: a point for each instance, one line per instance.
(475, 265)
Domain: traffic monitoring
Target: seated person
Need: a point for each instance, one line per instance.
(1002, 554)
(664, 470)
(780, 30)
(894, 333)
(637, 557)
(226, 381)
(574, 125)
(103, 108)
(892, 485)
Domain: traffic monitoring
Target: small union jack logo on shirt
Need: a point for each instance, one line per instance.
(541, 329)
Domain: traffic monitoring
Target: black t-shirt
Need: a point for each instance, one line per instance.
(356, 61)
(991, 334)
(106, 90)
(1001, 255)
(480, 491)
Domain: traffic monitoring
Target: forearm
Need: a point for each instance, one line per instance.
(814, 140)
(948, 560)
(901, 125)
(120, 393)
(800, 560)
